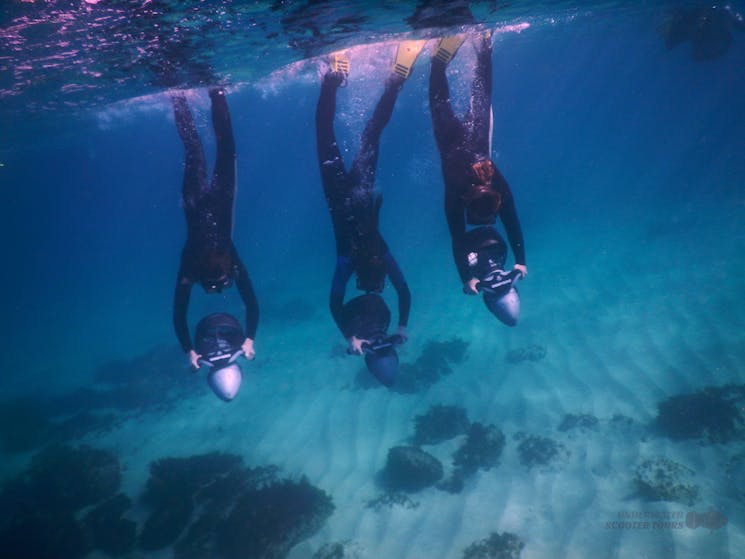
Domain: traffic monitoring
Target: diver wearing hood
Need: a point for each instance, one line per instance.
(209, 256)
(476, 193)
(218, 340)
(366, 317)
(353, 204)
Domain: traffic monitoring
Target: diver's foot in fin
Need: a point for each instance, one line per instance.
(339, 67)
(406, 55)
(447, 47)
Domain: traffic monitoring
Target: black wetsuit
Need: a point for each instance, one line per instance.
(208, 207)
(461, 144)
(352, 202)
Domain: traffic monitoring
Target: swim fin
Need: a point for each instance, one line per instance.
(406, 55)
(339, 62)
(447, 47)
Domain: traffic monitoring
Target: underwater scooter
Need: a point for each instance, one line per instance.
(218, 340)
(224, 376)
(499, 281)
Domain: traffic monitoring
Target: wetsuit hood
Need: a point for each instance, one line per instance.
(482, 204)
(482, 200)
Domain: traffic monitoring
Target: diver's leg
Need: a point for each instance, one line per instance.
(447, 127)
(367, 156)
(329, 156)
(223, 178)
(195, 167)
(479, 113)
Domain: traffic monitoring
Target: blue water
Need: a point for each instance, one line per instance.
(626, 160)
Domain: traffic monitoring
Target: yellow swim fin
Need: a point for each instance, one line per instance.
(406, 56)
(339, 62)
(448, 46)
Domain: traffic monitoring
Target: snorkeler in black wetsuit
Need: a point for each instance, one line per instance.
(355, 207)
(707, 27)
(209, 256)
(476, 193)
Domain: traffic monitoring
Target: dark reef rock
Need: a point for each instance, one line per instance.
(199, 541)
(155, 380)
(582, 421)
(481, 450)
(242, 512)
(172, 488)
(72, 478)
(712, 414)
(44, 535)
(37, 509)
(29, 423)
(108, 531)
(339, 550)
(216, 500)
(537, 451)
(410, 469)
(440, 423)
(172, 478)
(391, 500)
(331, 551)
(528, 353)
(662, 479)
(266, 523)
(165, 524)
(496, 546)
(24, 425)
(433, 363)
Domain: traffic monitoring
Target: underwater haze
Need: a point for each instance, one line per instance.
(610, 422)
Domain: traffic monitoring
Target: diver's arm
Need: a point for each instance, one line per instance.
(457, 226)
(180, 308)
(342, 273)
(246, 290)
(508, 215)
(402, 289)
